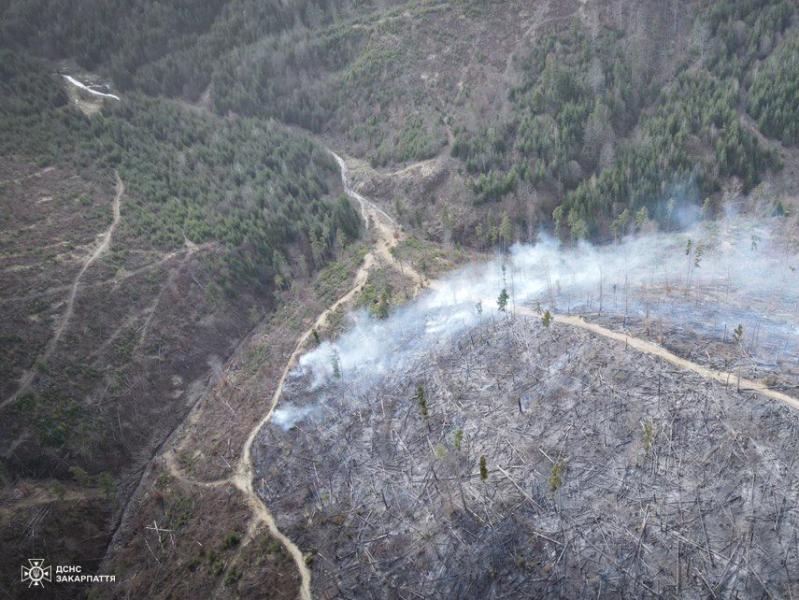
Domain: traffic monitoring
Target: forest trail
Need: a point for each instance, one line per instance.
(102, 247)
(653, 349)
(86, 88)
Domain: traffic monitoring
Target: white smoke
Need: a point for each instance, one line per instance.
(288, 415)
(732, 271)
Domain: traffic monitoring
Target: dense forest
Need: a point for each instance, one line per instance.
(587, 122)
(167, 48)
(297, 62)
(575, 95)
(774, 96)
(178, 48)
(336, 74)
(642, 179)
(261, 193)
(620, 151)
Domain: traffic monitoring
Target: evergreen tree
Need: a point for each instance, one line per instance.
(421, 400)
(502, 300)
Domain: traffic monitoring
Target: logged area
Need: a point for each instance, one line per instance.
(531, 461)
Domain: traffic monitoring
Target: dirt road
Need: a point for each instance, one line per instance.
(654, 350)
(386, 234)
(102, 247)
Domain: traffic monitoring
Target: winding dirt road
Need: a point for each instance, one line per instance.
(387, 234)
(654, 350)
(388, 231)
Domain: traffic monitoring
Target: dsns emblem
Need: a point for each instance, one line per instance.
(36, 573)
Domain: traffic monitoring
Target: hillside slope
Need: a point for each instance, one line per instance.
(168, 245)
(140, 246)
(606, 108)
(606, 472)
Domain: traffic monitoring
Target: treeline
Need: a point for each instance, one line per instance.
(260, 193)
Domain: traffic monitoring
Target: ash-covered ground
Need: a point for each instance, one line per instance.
(690, 292)
(609, 473)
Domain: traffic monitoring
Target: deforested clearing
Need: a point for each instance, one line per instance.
(609, 471)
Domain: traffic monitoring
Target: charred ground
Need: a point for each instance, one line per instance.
(607, 472)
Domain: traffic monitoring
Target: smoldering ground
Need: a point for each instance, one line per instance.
(709, 279)
(609, 473)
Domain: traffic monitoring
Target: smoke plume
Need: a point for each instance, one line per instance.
(708, 279)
